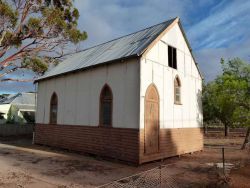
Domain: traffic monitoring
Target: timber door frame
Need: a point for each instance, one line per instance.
(151, 86)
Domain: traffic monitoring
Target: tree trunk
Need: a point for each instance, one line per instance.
(246, 138)
(226, 130)
(205, 128)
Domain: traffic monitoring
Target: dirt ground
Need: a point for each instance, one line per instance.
(25, 165)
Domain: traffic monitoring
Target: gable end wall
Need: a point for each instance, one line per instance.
(180, 125)
(155, 69)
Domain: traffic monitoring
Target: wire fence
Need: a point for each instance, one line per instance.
(227, 159)
(221, 158)
(220, 163)
(217, 164)
(157, 177)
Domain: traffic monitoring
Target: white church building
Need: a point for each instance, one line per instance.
(136, 98)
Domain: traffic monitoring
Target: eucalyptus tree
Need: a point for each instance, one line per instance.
(36, 33)
(227, 98)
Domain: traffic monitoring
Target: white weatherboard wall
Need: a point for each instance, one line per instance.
(79, 95)
(154, 69)
(4, 108)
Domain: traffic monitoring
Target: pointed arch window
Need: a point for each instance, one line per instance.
(106, 106)
(53, 108)
(177, 90)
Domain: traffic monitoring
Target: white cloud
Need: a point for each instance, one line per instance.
(225, 33)
(112, 18)
(209, 59)
(223, 26)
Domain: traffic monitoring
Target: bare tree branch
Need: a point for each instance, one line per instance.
(16, 80)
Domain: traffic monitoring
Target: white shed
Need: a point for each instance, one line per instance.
(136, 98)
(18, 108)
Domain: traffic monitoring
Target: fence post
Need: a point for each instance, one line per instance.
(223, 159)
(160, 176)
(204, 129)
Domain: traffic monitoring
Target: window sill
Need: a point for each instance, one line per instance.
(177, 103)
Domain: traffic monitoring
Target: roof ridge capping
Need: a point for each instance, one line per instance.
(170, 20)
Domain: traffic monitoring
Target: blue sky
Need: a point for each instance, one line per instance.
(215, 28)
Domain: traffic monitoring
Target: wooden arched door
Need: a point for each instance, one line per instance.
(151, 120)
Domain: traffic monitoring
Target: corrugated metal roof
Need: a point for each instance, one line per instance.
(130, 45)
(8, 99)
(20, 99)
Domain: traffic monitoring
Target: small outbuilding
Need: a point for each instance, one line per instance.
(136, 98)
(18, 108)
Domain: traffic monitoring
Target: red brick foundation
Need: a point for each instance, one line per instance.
(119, 143)
(173, 142)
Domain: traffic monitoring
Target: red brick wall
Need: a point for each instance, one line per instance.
(118, 143)
(173, 142)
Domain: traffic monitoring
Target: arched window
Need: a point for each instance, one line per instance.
(177, 90)
(106, 105)
(53, 108)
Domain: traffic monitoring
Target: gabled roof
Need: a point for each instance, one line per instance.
(20, 99)
(132, 45)
(124, 47)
